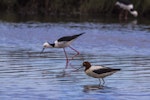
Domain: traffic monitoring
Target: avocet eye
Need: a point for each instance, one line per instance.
(84, 63)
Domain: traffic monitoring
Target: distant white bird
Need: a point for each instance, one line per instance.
(126, 7)
(63, 42)
(98, 71)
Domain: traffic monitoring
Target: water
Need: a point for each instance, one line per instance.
(27, 75)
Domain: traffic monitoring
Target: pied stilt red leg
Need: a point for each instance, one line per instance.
(75, 51)
(67, 60)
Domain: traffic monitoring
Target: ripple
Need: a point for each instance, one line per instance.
(27, 74)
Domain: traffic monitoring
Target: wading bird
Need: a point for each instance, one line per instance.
(98, 71)
(63, 42)
(126, 6)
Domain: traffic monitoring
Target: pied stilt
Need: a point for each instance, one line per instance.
(126, 6)
(63, 42)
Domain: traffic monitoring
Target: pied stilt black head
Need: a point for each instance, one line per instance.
(127, 5)
(47, 45)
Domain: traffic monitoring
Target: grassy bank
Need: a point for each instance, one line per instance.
(69, 7)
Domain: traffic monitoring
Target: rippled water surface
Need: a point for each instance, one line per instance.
(25, 74)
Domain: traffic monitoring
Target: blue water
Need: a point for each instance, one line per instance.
(25, 74)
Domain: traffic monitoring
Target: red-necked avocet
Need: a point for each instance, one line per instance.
(98, 71)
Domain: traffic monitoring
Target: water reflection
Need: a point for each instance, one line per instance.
(88, 88)
(100, 88)
(25, 74)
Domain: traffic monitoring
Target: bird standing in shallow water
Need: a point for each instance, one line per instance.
(126, 6)
(98, 71)
(63, 42)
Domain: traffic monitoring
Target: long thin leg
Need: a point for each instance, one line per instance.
(99, 82)
(121, 14)
(67, 60)
(75, 51)
(103, 81)
(126, 15)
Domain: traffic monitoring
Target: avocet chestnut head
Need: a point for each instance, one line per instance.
(98, 71)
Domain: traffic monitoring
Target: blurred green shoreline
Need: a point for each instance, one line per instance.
(68, 8)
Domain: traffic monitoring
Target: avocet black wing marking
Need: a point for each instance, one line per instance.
(104, 70)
